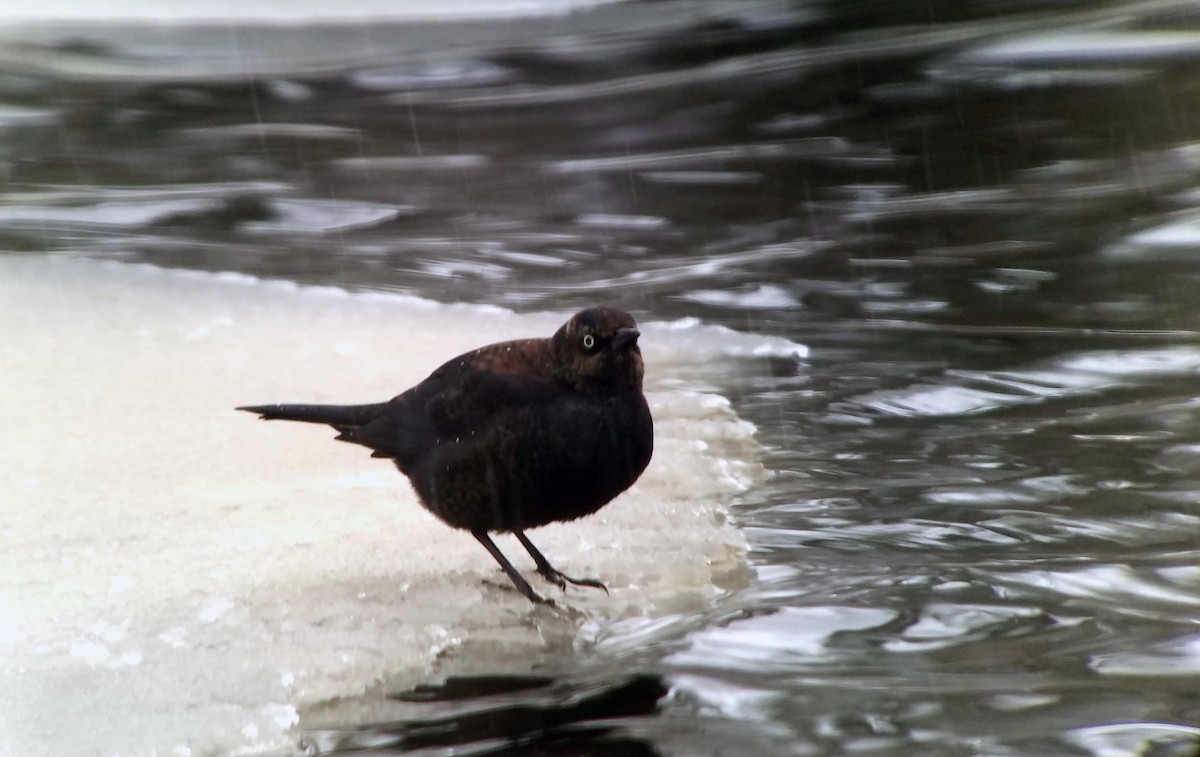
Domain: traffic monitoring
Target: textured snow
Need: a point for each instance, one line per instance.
(181, 578)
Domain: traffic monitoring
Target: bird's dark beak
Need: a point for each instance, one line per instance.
(625, 336)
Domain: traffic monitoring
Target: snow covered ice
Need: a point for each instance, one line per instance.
(179, 578)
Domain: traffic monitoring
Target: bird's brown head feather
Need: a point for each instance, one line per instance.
(597, 348)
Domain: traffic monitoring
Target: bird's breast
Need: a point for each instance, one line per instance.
(594, 450)
(554, 462)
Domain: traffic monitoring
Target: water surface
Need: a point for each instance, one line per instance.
(977, 529)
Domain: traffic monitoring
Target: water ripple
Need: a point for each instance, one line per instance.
(759, 641)
(1124, 739)
(1175, 657)
(943, 625)
(1119, 589)
(970, 392)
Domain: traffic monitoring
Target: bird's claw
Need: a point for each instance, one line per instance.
(560, 579)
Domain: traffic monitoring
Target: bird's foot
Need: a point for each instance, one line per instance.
(548, 571)
(560, 579)
(525, 591)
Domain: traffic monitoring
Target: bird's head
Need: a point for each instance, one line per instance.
(598, 348)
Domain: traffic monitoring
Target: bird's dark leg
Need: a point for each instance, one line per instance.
(549, 572)
(517, 579)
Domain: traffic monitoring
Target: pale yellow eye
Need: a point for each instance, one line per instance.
(589, 341)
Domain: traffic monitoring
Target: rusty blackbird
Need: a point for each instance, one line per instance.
(514, 435)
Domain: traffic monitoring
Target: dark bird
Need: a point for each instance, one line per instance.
(514, 435)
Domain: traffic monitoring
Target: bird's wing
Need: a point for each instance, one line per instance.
(448, 404)
(479, 397)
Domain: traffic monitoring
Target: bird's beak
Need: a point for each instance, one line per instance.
(625, 336)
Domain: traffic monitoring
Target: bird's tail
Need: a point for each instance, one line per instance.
(339, 416)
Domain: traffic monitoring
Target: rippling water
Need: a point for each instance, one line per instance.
(980, 530)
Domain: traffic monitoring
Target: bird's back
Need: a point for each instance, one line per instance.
(458, 399)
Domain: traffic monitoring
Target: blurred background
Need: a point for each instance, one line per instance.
(980, 532)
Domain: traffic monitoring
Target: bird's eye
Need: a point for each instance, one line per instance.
(589, 341)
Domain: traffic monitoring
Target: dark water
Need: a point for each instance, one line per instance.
(983, 528)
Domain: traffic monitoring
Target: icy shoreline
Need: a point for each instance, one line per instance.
(180, 579)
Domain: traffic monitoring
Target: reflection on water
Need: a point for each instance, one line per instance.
(981, 528)
(507, 716)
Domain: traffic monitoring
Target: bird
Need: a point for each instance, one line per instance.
(514, 435)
